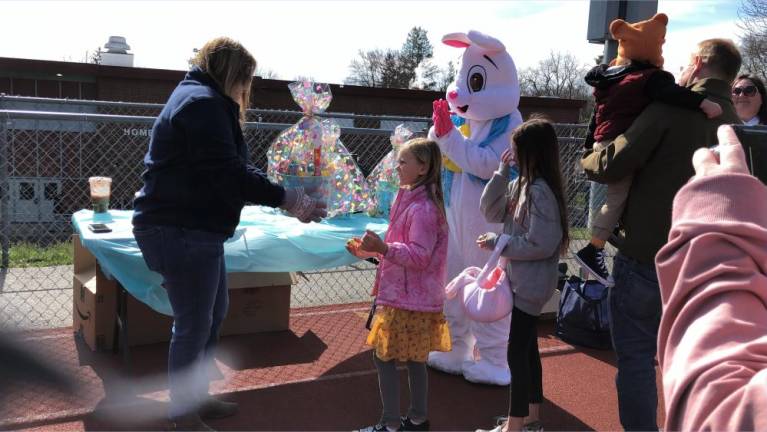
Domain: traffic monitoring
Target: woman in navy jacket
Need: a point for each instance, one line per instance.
(196, 182)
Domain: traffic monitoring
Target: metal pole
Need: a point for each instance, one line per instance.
(4, 191)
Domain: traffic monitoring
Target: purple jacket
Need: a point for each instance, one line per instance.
(411, 276)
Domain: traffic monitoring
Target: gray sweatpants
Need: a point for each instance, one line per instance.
(388, 382)
(612, 209)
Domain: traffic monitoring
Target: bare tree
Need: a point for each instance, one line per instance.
(367, 68)
(403, 68)
(266, 73)
(95, 56)
(559, 75)
(753, 45)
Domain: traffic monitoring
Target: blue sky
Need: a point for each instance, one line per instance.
(320, 38)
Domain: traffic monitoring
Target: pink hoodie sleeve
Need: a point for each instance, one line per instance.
(423, 234)
(712, 341)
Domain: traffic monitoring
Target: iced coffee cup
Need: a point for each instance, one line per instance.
(100, 191)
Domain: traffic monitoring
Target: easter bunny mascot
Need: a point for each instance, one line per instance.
(485, 98)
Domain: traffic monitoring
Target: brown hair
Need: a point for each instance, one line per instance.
(427, 152)
(228, 63)
(722, 57)
(537, 151)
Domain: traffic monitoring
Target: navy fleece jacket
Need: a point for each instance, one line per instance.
(197, 172)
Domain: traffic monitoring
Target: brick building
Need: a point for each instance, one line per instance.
(55, 79)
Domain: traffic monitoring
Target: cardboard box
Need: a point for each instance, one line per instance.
(95, 307)
(94, 299)
(145, 325)
(257, 302)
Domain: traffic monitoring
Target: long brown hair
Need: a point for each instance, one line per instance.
(228, 63)
(427, 152)
(537, 148)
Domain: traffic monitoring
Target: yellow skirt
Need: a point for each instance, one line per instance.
(407, 335)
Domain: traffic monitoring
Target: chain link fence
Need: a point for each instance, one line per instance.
(49, 148)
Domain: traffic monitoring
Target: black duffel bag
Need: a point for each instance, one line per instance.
(583, 317)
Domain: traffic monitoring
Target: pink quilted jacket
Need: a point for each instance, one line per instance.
(411, 276)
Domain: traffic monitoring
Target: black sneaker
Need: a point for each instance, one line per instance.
(189, 422)
(593, 261)
(407, 425)
(380, 427)
(217, 409)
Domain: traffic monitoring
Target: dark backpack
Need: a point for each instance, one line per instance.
(583, 317)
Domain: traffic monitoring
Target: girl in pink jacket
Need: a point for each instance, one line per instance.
(712, 341)
(409, 285)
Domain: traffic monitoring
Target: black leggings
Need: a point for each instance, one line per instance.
(525, 363)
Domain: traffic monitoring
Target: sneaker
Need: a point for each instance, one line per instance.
(535, 426)
(407, 425)
(189, 422)
(498, 428)
(380, 427)
(499, 422)
(593, 261)
(217, 409)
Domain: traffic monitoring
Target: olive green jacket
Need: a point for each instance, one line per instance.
(657, 149)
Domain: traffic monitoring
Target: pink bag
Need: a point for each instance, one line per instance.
(487, 295)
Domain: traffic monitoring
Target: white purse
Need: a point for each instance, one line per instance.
(487, 295)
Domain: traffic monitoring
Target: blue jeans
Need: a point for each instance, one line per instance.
(192, 265)
(635, 310)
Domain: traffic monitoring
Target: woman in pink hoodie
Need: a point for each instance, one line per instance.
(712, 343)
(410, 284)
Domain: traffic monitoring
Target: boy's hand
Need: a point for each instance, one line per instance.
(711, 108)
(486, 241)
(372, 243)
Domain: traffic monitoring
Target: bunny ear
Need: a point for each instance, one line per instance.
(487, 43)
(457, 40)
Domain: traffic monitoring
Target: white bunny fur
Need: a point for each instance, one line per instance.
(497, 97)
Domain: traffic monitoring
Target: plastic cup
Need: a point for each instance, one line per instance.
(318, 187)
(100, 191)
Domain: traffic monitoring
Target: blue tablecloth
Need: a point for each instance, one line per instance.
(265, 241)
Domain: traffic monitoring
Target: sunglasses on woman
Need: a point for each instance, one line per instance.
(746, 91)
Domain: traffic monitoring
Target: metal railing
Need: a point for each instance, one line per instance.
(49, 148)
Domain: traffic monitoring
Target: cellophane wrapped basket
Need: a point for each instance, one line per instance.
(310, 154)
(383, 181)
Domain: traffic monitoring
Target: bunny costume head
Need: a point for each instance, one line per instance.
(486, 87)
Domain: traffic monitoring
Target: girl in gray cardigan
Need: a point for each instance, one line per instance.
(532, 209)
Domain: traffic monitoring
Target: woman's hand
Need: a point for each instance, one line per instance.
(372, 243)
(486, 241)
(302, 206)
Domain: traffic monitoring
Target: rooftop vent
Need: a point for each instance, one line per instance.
(117, 53)
(117, 45)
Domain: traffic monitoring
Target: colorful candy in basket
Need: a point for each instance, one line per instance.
(311, 154)
(383, 181)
